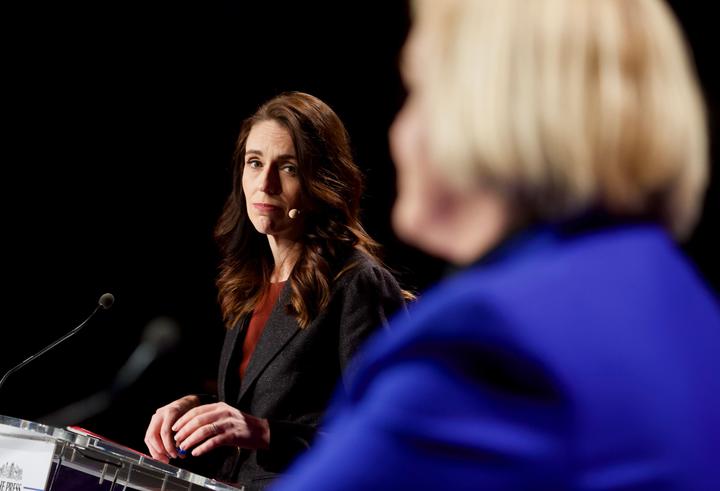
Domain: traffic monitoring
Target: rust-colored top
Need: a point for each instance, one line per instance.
(257, 323)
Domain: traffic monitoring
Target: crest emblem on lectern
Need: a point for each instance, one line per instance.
(11, 471)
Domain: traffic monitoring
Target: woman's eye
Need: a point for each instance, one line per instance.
(289, 169)
(254, 164)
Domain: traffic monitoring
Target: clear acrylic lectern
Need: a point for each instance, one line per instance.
(87, 463)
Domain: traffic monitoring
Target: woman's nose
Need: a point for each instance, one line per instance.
(270, 181)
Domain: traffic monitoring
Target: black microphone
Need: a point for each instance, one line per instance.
(159, 337)
(105, 302)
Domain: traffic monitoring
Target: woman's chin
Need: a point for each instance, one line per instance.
(264, 225)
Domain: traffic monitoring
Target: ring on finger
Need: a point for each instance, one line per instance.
(214, 429)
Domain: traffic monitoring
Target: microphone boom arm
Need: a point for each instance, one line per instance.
(105, 302)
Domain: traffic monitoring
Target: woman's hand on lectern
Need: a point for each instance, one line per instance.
(213, 425)
(159, 435)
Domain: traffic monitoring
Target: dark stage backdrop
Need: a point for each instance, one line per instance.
(119, 125)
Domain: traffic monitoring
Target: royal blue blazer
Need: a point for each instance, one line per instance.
(570, 359)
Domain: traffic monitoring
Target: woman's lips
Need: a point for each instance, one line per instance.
(265, 207)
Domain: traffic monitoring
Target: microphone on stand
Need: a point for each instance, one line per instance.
(105, 302)
(160, 336)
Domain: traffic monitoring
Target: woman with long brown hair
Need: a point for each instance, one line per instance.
(300, 288)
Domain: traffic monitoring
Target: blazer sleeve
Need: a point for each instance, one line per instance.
(287, 440)
(371, 296)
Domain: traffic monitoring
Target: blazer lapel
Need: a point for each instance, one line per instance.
(278, 331)
(228, 384)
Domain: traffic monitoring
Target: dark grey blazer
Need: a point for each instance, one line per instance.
(293, 371)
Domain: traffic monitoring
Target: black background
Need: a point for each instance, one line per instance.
(119, 126)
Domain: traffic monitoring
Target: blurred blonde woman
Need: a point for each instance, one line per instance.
(553, 149)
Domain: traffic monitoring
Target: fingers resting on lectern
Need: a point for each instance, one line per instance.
(159, 436)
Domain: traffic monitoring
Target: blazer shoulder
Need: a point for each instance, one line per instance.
(360, 269)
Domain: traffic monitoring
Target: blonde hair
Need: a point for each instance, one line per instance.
(566, 105)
